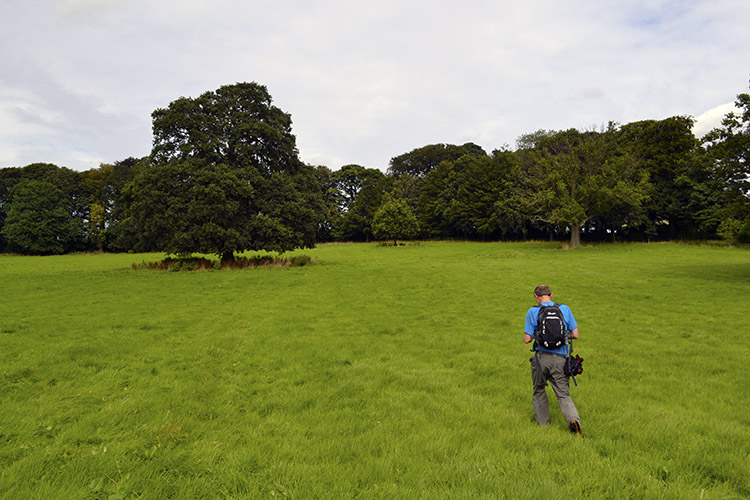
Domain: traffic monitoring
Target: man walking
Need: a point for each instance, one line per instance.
(548, 362)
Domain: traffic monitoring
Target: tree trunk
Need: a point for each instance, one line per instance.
(575, 235)
(227, 256)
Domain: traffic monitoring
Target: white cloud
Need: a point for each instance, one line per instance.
(363, 81)
(711, 119)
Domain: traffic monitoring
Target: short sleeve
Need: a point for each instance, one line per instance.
(531, 319)
(570, 320)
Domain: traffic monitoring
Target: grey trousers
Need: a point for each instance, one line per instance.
(549, 367)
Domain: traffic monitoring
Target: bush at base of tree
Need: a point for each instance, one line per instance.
(205, 264)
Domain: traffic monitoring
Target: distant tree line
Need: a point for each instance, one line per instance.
(224, 176)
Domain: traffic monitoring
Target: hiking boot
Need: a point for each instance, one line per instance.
(575, 427)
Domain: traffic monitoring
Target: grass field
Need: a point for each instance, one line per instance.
(379, 373)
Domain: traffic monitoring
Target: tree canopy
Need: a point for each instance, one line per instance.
(575, 176)
(395, 221)
(728, 148)
(39, 219)
(235, 125)
(224, 176)
(421, 161)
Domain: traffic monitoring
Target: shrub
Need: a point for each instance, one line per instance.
(743, 234)
(735, 231)
(202, 263)
(728, 229)
(179, 264)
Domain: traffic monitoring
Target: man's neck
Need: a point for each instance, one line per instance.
(544, 298)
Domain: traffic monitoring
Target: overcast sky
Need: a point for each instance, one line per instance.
(363, 81)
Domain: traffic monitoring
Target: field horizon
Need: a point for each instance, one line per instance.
(379, 372)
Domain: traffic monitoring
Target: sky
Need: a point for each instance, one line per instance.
(362, 81)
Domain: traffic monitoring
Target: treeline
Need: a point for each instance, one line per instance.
(224, 176)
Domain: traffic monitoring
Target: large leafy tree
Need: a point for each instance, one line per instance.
(184, 207)
(575, 176)
(348, 182)
(728, 148)
(461, 198)
(236, 125)
(669, 152)
(486, 182)
(440, 187)
(104, 186)
(225, 177)
(39, 219)
(409, 172)
(68, 197)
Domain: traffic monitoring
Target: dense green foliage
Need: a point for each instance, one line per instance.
(224, 176)
(42, 209)
(381, 372)
(729, 152)
(356, 193)
(576, 177)
(395, 221)
(39, 221)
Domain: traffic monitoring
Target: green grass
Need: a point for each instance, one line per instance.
(381, 372)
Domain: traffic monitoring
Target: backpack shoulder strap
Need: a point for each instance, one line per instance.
(540, 310)
(565, 323)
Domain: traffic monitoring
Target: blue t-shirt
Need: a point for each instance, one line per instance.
(532, 318)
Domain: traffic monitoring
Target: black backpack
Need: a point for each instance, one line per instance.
(550, 328)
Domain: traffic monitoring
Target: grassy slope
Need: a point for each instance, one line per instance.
(380, 373)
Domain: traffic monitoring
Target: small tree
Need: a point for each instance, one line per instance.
(394, 220)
